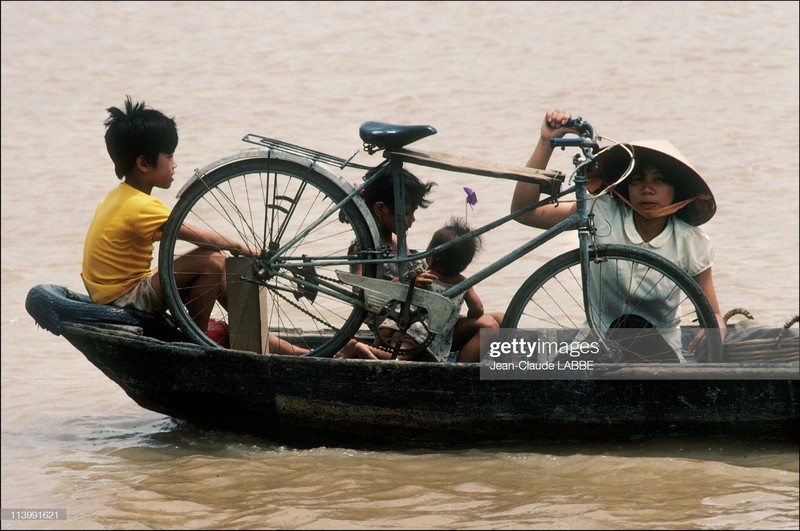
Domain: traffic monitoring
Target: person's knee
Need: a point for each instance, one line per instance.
(487, 321)
(204, 260)
(498, 317)
(215, 261)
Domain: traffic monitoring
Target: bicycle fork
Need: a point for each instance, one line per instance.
(586, 242)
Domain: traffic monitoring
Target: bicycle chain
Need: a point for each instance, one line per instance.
(394, 351)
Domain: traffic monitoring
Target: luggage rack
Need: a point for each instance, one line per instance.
(317, 156)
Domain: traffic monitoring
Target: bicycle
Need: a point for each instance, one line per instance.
(288, 204)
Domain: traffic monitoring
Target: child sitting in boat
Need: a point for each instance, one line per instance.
(379, 198)
(118, 250)
(461, 334)
(444, 270)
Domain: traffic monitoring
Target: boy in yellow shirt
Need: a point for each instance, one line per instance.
(118, 251)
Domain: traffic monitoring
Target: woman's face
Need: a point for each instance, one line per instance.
(650, 189)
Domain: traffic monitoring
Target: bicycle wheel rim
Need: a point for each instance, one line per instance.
(659, 294)
(266, 200)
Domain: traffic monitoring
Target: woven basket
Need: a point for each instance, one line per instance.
(782, 347)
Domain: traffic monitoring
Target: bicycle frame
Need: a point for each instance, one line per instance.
(580, 220)
(574, 221)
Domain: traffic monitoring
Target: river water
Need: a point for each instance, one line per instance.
(718, 79)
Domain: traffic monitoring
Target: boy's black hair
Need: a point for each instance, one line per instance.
(139, 130)
(456, 258)
(382, 189)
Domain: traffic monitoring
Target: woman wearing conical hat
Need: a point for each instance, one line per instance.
(659, 206)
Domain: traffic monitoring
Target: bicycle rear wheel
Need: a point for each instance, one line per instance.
(645, 307)
(267, 200)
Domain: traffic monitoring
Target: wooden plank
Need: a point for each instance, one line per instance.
(549, 180)
(247, 328)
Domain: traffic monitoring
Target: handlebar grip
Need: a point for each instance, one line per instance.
(566, 142)
(580, 142)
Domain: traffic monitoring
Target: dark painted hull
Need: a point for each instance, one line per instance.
(313, 401)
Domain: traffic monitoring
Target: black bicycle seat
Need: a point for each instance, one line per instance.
(390, 136)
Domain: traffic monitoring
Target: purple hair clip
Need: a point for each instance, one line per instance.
(472, 197)
(472, 200)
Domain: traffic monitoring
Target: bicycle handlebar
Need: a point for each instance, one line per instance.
(586, 139)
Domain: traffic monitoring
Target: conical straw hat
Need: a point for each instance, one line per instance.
(614, 160)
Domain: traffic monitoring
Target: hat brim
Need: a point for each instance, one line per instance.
(614, 160)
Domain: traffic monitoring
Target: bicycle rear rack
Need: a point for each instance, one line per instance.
(316, 156)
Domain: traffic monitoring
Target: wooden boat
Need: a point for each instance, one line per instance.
(313, 401)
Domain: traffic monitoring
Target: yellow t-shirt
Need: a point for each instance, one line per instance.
(119, 244)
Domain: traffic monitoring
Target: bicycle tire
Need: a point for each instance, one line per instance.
(265, 199)
(551, 299)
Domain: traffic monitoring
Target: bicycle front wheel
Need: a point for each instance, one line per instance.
(644, 307)
(282, 206)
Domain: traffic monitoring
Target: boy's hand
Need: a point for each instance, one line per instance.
(245, 250)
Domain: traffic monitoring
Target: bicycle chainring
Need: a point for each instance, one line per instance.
(388, 316)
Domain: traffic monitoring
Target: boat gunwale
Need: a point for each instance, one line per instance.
(601, 371)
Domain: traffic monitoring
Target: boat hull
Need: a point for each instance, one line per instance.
(304, 400)
(313, 401)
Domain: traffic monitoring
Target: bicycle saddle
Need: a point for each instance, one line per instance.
(390, 136)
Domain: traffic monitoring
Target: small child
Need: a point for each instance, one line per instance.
(444, 271)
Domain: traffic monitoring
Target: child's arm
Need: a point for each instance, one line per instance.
(354, 268)
(473, 302)
(210, 239)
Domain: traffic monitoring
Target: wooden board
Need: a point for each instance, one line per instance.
(549, 180)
